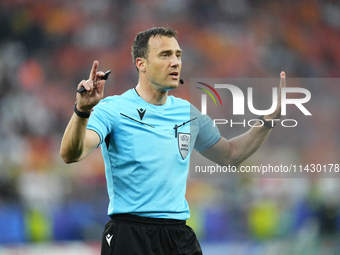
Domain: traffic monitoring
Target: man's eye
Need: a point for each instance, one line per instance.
(165, 55)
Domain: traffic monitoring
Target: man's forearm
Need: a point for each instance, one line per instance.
(245, 145)
(72, 144)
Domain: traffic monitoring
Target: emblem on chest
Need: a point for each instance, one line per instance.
(184, 144)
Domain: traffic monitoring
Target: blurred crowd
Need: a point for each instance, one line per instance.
(48, 47)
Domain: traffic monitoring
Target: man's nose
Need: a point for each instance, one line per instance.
(175, 61)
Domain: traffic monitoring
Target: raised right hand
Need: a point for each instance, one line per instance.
(94, 90)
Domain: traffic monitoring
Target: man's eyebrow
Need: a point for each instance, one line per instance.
(170, 51)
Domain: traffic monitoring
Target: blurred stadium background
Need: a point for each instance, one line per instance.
(47, 47)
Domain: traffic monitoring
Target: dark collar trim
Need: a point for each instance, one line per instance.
(136, 91)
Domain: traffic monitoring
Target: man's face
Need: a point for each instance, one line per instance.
(164, 63)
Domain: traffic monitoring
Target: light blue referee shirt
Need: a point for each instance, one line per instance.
(146, 150)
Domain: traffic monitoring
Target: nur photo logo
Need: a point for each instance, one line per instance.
(295, 96)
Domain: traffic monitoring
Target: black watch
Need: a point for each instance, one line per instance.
(267, 124)
(81, 114)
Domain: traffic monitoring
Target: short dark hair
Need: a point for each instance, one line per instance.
(140, 46)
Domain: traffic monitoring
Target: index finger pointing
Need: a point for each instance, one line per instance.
(94, 70)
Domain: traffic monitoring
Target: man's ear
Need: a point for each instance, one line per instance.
(141, 64)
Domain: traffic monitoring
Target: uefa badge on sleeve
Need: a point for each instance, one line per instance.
(184, 144)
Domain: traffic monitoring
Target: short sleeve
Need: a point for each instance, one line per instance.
(208, 134)
(104, 118)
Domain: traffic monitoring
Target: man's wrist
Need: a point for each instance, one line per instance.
(267, 124)
(80, 113)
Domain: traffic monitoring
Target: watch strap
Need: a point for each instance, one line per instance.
(81, 114)
(267, 124)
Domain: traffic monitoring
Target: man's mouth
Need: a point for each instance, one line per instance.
(174, 75)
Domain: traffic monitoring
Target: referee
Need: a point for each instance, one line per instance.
(146, 138)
